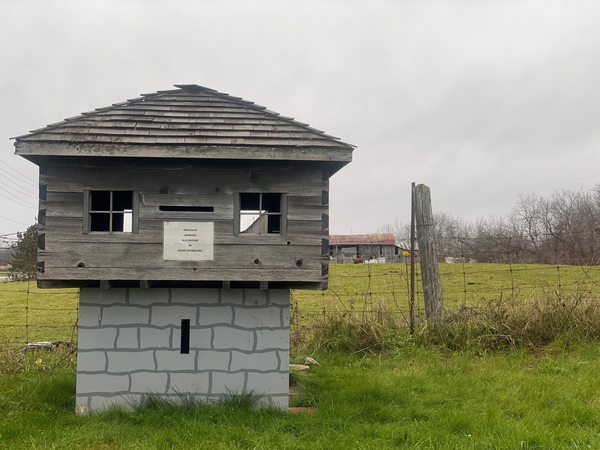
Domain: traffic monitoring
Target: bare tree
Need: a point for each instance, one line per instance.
(399, 229)
(563, 228)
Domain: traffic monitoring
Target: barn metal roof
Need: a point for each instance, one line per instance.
(362, 239)
(188, 115)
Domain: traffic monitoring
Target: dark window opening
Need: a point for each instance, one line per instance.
(100, 221)
(185, 336)
(100, 200)
(111, 211)
(260, 213)
(274, 225)
(187, 208)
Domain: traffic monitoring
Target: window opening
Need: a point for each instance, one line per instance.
(260, 213)
(111, 211)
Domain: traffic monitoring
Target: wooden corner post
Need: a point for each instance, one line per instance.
(412, 258)
(428, 254)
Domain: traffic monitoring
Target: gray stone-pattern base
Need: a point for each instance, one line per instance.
(130, 345)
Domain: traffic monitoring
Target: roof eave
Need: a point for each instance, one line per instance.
(334, 157)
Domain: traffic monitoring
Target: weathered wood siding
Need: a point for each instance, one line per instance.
(69, 254)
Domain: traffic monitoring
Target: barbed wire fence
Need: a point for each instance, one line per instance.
(29, 314)
(384, 289)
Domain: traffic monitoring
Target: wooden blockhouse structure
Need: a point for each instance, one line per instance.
(185, 216)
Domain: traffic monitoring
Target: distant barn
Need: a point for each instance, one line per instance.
(379, 248)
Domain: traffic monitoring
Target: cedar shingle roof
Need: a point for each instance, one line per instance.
(362, 239)
(188, 115)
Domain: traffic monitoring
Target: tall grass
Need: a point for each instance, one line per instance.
(376, 329)
(498, 325)
(37, 361)
(508, 323)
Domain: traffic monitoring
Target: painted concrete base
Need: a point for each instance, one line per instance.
(130, 345)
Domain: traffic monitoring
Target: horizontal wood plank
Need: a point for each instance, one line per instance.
(273, 167)
(142, 125)
(151, 256)
(188, 274)
(69, 229)
(225, 141)
(191, 182)
(218, 200)
(199, 151)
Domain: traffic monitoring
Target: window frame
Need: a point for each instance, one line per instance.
(237, 210)
(87, 202)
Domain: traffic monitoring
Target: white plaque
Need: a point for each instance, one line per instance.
(188, 241)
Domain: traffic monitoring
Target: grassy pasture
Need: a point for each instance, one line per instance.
(416, 396)
(358, 287)
(51, 314)
(409, 399)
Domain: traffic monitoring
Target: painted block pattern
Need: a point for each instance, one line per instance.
(130, 345)
(98, 338)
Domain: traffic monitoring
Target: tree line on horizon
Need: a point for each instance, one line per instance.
(563, 228)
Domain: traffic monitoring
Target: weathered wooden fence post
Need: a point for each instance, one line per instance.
(412, 258)
(428, 253)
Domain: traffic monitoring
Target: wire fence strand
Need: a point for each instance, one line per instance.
(464, 285)
(29, 314)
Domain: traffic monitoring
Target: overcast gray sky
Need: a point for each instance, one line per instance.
(480, 100)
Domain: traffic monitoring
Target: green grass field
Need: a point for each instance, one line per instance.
(359, 287)
(50, 314)
(413, 396)
(409, 399)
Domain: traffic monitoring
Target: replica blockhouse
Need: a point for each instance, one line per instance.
(110, 179)
(198, 211)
